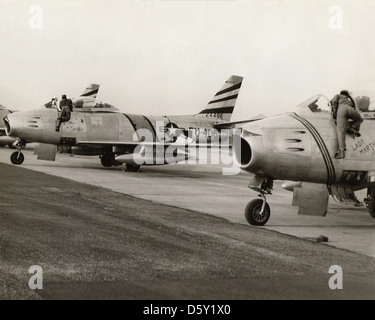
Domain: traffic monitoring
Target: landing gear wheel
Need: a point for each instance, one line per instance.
(370, 201)
(371, 207)
(107, 160)
(132, 167)
(253, 213)
(17, 158)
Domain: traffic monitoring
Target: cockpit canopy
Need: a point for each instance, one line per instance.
(85, 104)
(320, 103)
(92, 105)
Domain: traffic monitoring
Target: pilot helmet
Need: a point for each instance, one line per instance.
(63, 96)
(344, 92)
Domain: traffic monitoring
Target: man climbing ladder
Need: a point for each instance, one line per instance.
(343, 110)
(66, 107)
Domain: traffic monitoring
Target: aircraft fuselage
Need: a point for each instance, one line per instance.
(39, 126)
(301, 146)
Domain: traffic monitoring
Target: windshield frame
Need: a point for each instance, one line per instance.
(309, 102)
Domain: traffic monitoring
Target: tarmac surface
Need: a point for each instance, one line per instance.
(203, 188)
(96, 239)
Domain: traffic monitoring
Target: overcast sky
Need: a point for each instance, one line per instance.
(169, 57)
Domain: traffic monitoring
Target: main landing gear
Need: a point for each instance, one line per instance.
(108, 160)
(370, 201)
(17, 157)
(258, 212)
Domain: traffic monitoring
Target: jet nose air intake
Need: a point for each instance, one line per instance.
(242, 152)
(7, 125)
(248, 148)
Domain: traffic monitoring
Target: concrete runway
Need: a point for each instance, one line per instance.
(94, 243)
(203, 188)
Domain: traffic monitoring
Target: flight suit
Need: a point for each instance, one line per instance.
(346, 111)
(66, 107)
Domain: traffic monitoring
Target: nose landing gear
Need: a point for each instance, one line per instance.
(258, 212)
(17, 157)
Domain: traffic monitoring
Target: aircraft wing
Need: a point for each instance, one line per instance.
(231, 125)
(147, 144)
(341, 194)
(181, 150)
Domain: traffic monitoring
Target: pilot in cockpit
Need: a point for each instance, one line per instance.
(314, 107)
(54, 102)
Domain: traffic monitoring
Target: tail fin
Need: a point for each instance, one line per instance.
(91, 91)
(87, 98)
(223, 103)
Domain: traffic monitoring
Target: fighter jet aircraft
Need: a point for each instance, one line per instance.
(300, 146)
(97, 128)
(4, 139)
(87, 98)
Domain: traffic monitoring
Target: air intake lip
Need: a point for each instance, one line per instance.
(7, 125)
(242, 153)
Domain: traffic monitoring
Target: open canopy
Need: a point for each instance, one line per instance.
(321, 103)
(317, 103)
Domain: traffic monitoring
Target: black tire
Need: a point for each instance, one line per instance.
(17, 158)
(107, 160)
(132, 167)
(252, 211)
(371, 207)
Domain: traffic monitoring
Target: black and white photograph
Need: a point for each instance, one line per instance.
(187, 155)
